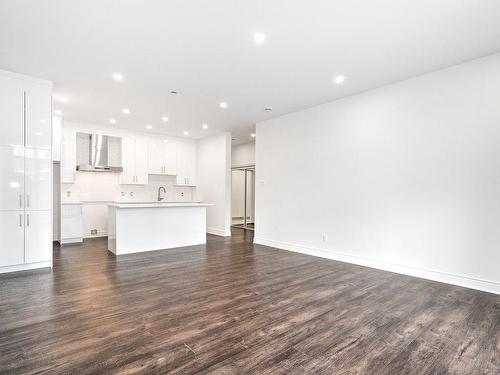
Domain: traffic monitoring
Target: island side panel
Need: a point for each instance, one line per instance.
(112, 229)
(156, 228)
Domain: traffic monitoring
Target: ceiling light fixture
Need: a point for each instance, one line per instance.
(223, 105)
(252, 135)
(204, 126)
(259, 38)
(149, 126)
(174, 92)
(112, 121)
(164, 118)
(339, 79)
(126, 111)
(186, 132)
(268, 109)
(117, 77)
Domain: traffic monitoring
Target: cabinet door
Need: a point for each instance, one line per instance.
(155, 156)
(12, 114)
(38, 118)
(68, 155)
(191, 164)
(38, 236)
(127, 177)
(71, 221)
(181, 177)
(11, 238)
(38, 179)
(11, 178)
(141, 160)
(170, 157)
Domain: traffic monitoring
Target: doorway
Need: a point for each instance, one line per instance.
(243, 197)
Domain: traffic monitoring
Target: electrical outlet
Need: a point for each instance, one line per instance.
(123, 193)
(68, 193)
(131, 193)
(325, 237)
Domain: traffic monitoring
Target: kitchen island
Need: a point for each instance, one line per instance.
(138, 227)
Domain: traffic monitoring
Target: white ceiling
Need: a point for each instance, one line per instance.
(204, 49)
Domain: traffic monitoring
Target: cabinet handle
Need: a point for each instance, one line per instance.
(28, 220)
(28, 201)
(20, 220)
(20, 201)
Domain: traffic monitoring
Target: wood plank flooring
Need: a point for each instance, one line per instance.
(232, 307)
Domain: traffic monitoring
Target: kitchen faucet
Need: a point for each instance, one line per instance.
(159, 191)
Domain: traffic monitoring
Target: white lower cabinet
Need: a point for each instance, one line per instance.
(38, 236)
(11, 238)
(71, 223)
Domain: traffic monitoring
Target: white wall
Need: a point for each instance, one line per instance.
(404, 178)
(214, 181)
(243, 155)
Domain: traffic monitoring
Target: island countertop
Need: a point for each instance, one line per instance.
(157, 204)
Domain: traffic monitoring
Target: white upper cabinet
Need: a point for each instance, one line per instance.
(11, 238)
(12, 114)
(38, 104)
(134, 160)
(68, 155)
(38, 236)
(38, 179)
(162, 156)
(11, 178)
(186, 164)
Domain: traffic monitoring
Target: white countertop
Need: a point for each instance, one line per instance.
(158, 204)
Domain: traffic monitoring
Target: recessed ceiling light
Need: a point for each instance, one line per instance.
(117, 77)
(339, 79)
(126, 111)
(149, 126)
(223, 105)
(174, 92)
(204, 126)
(259, 38)
(58, 112)
(60, 98)
(186, 132)
(112, 121)
(164, 118)
(252, 135)
(268, 109)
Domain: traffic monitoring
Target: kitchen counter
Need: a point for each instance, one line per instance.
(135, 227)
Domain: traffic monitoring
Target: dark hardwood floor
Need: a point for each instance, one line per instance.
(232, 307)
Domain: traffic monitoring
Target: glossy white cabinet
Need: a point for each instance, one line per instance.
(38, 179)
(38, 236)
(11, 238)
(11, 178)
(186, 164)
(162, 156)
(25, 172)
(68, 155)
(38, 106)
(71, 223)
(134, 160)
(12, 113)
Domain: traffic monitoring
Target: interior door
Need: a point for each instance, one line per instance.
(38, 179)
(11, 178)
(12, 238)
(38, 236)
(38, 118)
(12, 114)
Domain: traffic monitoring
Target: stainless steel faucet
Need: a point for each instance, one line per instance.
(160, 198)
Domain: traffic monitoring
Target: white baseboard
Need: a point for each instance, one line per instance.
(99, 234)
(218, 232)
(25, 267)
(448, 278)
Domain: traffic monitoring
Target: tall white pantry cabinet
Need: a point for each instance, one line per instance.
(25, 172)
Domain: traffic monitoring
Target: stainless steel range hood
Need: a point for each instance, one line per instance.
(98, 153)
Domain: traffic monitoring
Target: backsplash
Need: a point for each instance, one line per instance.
(105, 187)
